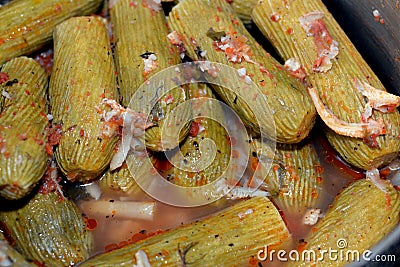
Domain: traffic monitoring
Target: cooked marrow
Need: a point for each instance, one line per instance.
(27, 25)
(194, 164)
(23, 121)
(295, 176)
(361, 215)
(243, 9)
(141, 51)
(223, 39)
(123, 178)
(308, 33)
(83, 75)
(50, 230)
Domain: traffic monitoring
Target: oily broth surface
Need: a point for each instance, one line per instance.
(113, 230)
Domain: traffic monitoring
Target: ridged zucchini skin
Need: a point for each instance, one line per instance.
(118, 180)
(335, 87)
(83, 74)
(292, 110)
(123, 178)
(27, 25)
(23, 121)
(361, 214)
(225, 239)
(295, 177)
(243, 9)
(139, 31)
(50, 230)
(208, 127)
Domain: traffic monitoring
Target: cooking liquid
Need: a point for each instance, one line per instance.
(112, 231)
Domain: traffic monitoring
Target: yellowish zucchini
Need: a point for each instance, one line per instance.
(83, 75)
(295, 177)
(243, 9)
(336, 86)
(119, 180)
(23, 120)
(232, 237)
(27, 25)
(49, 229)
(191, 161)
(361, 215)
(142, 50)
(222, 38)
(122, 179)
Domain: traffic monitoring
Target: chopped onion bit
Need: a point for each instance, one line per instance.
(133, 125)
(374, 176)
(120, 209)
(141, 259)
(312, 215)
(377, 100)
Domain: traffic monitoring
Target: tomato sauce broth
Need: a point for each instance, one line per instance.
(112, 232)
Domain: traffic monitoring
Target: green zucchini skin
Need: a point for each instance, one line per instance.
(335, 86)
(188, 163)
(123, 178)
(287, 103)
(243, 9)
(23, 122)
(295, 177)
(145, 36)
(27, 25)
(50, 230)
(361, 215)
(83, 75)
